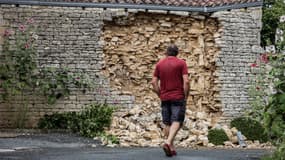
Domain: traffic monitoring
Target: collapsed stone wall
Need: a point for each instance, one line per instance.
(221, 49)
(131, 51)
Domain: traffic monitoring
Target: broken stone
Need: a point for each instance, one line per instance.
(165, 24)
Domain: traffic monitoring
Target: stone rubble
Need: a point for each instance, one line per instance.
(132, 132)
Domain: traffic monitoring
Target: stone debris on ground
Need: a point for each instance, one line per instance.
(132, 131)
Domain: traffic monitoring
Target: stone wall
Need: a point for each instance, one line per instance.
(240, 46)
(67, 37)
(118, 50)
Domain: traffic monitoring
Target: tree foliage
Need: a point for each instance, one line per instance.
(274, 112)
(272, 11)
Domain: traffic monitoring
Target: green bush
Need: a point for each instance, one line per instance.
(109, 138)
(250, 128)
(278, 154)
(58, 121)
(217, 136)
(273, 115)
(94, 119)
(89, 122)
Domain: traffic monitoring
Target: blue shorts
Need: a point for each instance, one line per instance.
(173, 111)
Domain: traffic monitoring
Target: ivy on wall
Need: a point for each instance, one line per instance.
(20, 75)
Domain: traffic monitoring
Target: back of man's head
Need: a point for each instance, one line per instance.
(172, 50)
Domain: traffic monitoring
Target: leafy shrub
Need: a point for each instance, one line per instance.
(54, 121)
(252, 129)
(89, 122)
(217, 136)
(94, 119)
(109, 139)
(274, 112)
(273, 116)
(113, 139)
(279, 153)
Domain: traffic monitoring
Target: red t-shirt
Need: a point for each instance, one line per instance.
(170, 71)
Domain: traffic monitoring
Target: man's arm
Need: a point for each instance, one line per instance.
(186, 85)
(155, 85)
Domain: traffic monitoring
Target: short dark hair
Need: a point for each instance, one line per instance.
(172, 50)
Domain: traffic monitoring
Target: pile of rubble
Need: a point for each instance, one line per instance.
(140, 128)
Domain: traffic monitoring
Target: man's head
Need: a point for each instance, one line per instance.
(172, 50)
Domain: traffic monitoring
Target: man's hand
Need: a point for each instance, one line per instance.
(155, 85)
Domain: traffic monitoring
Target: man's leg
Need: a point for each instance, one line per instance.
(166, 131)
(174, 128)
(166, 117)
(177, 117)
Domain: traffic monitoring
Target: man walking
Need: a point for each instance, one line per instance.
(172, 74)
